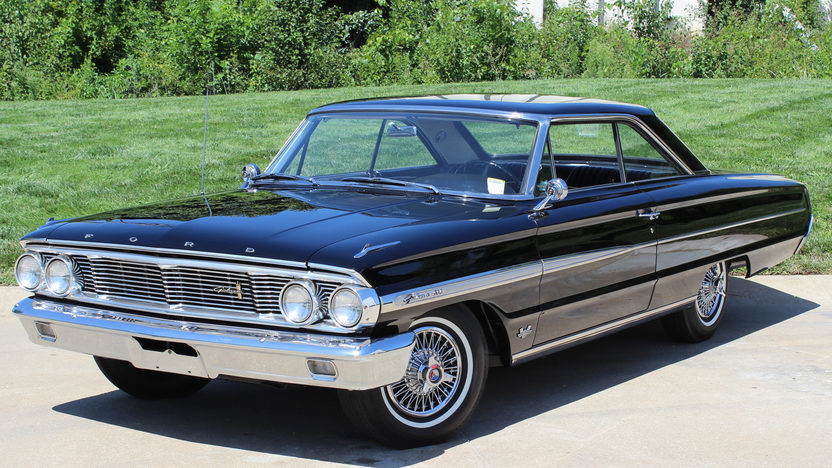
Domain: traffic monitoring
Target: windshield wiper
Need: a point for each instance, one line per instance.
(280, 176)
(388, 181)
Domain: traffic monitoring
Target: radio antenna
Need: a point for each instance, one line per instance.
(204, 142)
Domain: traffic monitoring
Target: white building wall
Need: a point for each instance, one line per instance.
(687, 10)
(531, 8)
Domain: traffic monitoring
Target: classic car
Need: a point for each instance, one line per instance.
(395, 249)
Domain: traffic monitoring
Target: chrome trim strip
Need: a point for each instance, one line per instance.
(168, 262)
(706, 200)
(397, 301)
(58, 244)
(463, 247)
(595, 331)
(466, 111)
(554, 264)
(808, 231)
(730, 226)
(536, 159)
(279, 356)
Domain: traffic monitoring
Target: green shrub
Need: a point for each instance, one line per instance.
(762, 45)
(470, 40)
(563, 40)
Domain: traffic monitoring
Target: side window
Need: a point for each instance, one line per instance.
(401, 150)
(641, 159)
(584, 154)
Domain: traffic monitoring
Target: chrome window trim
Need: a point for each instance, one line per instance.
(466, 111)
(289, 267)
(635, 121)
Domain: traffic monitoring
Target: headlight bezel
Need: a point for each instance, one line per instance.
(315, 313)
(72, 282)
(42, 271)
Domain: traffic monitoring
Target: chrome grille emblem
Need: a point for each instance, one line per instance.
(230, 290)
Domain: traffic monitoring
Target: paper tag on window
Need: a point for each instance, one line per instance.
(496, 186)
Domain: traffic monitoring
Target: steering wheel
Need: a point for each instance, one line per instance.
(486, 165)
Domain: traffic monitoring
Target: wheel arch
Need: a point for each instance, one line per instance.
(496, 336)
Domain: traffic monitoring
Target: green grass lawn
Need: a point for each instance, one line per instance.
(68, 158)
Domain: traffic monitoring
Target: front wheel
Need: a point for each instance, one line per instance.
(441, 387)
(698, 322)
(148, 384)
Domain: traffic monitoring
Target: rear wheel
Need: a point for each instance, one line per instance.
(148, 384)
(698, 322)
(441, 387)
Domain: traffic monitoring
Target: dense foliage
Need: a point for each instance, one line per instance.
(131, 48)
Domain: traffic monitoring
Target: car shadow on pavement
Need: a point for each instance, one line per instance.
(308, 423)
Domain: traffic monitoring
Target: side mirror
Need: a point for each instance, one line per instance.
(556, 190)
(249, 172)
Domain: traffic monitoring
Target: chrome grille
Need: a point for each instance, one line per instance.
(187, 286)
(209, 288)
(127, 279)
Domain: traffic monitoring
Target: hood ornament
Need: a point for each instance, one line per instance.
(372, 248)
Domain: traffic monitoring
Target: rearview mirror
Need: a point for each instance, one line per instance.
(395, 131)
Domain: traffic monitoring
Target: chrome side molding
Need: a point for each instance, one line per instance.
(575, 338)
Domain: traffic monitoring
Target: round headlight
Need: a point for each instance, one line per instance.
(59, 276)
(28, 271)
(345, 307)
(299, 303)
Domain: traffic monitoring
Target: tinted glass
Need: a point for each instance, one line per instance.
(584, 154)
(457, 153)
(641, 159)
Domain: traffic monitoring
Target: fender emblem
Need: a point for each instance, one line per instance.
(417, 296)
(133, 239)
(524, 332)
(189, 244)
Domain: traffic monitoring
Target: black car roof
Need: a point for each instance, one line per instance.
(522, 103)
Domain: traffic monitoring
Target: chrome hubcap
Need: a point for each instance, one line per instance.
(432, 376)
(711, 294)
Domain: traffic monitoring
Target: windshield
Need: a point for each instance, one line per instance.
(476, 155)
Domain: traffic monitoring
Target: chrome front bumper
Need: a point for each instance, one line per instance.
(209, 350)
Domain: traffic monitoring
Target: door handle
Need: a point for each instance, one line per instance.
(649, 214)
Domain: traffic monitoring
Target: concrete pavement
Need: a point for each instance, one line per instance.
(758, 394)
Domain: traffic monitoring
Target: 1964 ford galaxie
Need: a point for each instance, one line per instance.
(394, 249)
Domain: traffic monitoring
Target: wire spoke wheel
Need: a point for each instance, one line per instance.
(441, 385)
(711, 295)
(432, 376)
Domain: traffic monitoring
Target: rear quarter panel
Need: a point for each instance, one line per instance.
(758, 218)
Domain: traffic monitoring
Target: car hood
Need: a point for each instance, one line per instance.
(288, 225)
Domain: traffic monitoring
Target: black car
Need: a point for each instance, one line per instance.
(396, 248)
